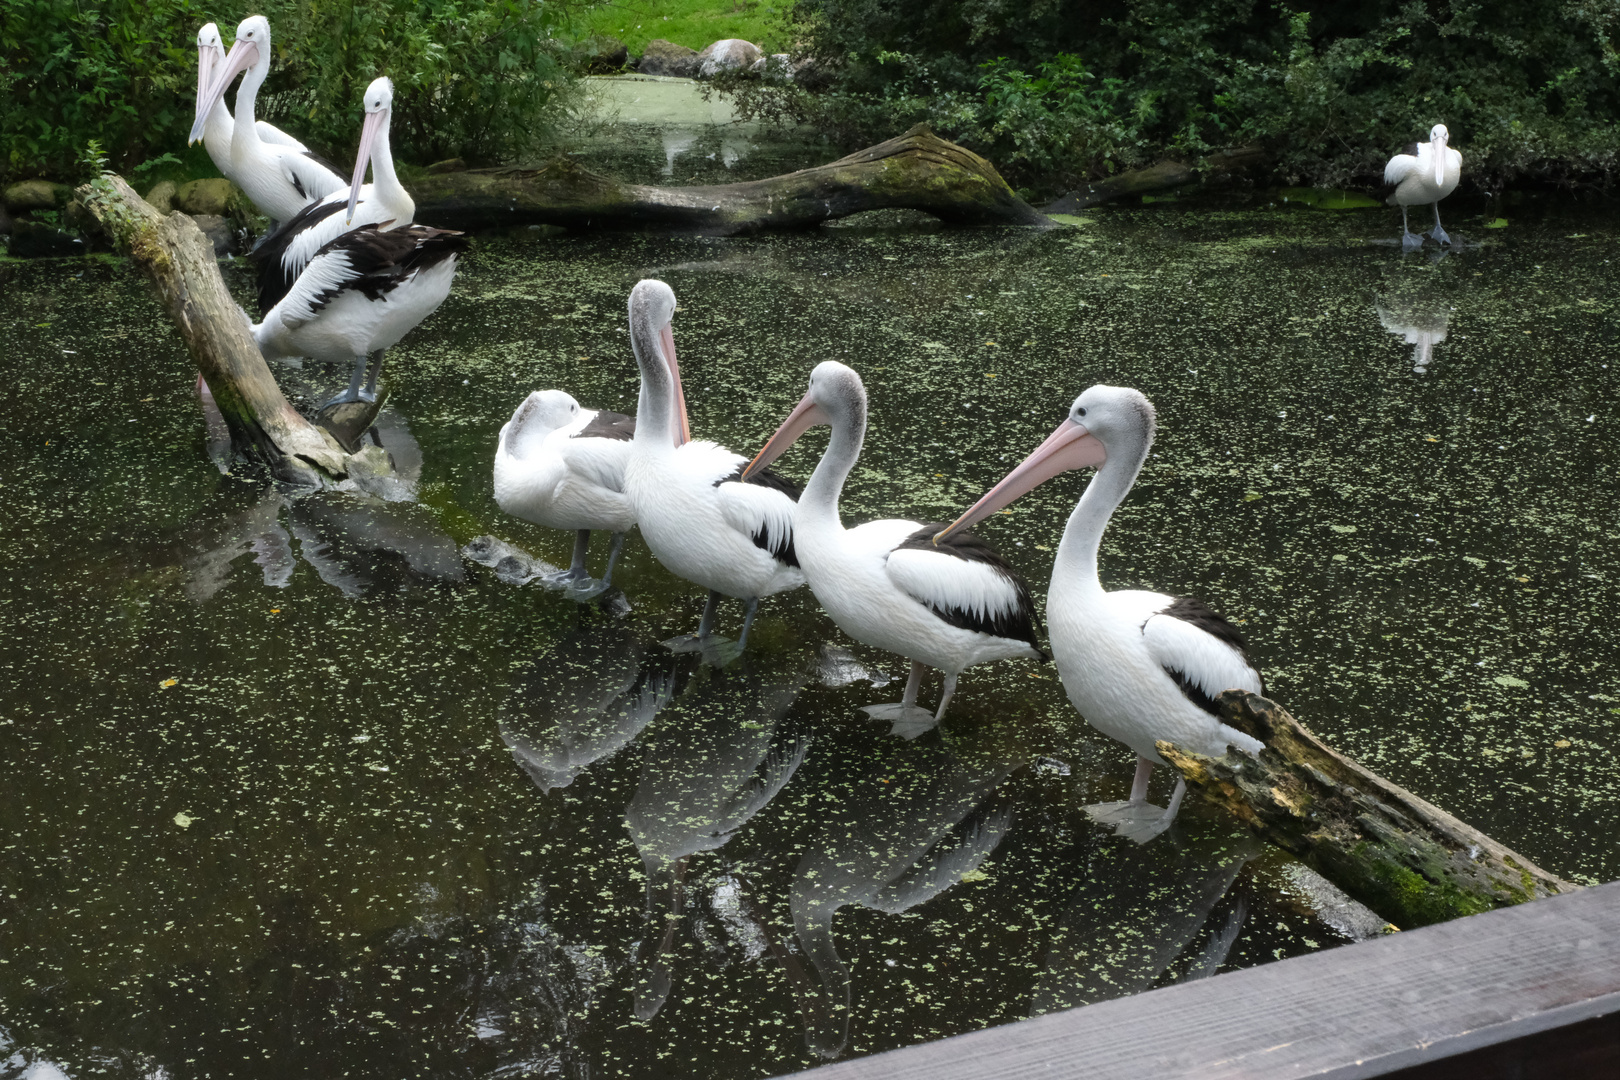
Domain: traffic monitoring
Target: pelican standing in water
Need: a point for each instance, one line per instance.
(280, 180)
(886, 584)
(358, 296)
(701, 521)
(1424, 173)
(1139, 666)
(384, 202)
(217, 119)
(563, 467)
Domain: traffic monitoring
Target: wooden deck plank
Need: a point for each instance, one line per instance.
(1356, 1011)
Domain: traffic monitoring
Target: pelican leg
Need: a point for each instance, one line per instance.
(582, 543)
(698, 642)
(1137, 819)
(355, 378)
(909, 721)
(748, 622)
(376, 362)
(1139, 786)
(945, 696)
(1437, 233)
(1410, 241)
(613, 557)
(706, 624)
(1175, 801)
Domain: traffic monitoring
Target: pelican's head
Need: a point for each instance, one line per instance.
(541, 413)
(652, 308)
(250, 50)
(378, 102)
(1102, 419)
(209, 53)
(836, 396)
(1438, 138)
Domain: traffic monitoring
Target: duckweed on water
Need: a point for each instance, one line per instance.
(294, 789)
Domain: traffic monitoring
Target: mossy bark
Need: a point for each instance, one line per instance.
(178, 259)
(916, 171)
(1162, 177)
(1409, 861)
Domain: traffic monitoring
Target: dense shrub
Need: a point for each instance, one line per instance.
(1057, 90)
(473, 79)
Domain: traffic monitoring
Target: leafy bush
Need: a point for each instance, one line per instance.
(478, 79)
(1057, 90)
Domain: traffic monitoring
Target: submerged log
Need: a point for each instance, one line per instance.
(1406, 859)
(175, 255)
(1164, 176)
(915, 171)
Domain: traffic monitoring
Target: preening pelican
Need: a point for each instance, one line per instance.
(1140, 666)
(218, 124)
(885, 583)
(384, 202)
(699, 519)
(1424, 173)
(561, 466)
(280, 180)
(359, 295)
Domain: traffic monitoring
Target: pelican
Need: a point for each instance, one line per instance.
(563, 467)
(885, 584)
(1139, 666)
(700, 520)
(1425, 173)
(279, 179)
(359, 295)
(284, 253)
(218, 124)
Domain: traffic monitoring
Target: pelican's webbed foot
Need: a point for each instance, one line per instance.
(908, 721)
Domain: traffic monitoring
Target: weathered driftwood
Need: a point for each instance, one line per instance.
(180, 261)
(917, 171)
(1409, 861)
(1164, 176)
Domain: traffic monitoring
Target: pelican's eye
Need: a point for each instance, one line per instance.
(1079, 412)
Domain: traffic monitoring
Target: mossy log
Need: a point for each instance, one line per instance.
(1164, 176)
(179, 260)
(1409, 861)
(916, 171)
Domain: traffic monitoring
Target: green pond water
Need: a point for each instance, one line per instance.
(303, 786)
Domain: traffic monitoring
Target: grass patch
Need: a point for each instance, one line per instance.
(693, 23)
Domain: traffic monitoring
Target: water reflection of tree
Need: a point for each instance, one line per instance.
(902, 830)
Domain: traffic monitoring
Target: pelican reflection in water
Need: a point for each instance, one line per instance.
(711, 765)
(903, 829)
(1421, 321)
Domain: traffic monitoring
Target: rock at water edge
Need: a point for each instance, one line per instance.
(667, 58)
(729, 54)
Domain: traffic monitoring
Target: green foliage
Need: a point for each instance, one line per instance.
(478, 79)
(693, 23)
(1057, 90)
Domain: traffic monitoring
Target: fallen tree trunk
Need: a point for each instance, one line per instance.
(916, 171)
(1409, 861)
(1164, 176)
(178, 259)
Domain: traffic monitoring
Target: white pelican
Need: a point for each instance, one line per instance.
(284, 253)
(279, 179)
(885, 584)
(561, 466)
(1425, 173)
(218, 122)
(1139, 666)
(361, 294)
(732, 538)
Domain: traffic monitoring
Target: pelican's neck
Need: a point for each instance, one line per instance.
(1076, 563)
(245, 139)
(818, 506)
(655, 405)
(385, 183)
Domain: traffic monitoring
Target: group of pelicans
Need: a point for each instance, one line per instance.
(345, 274)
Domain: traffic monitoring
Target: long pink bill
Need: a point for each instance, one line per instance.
(362, 158)
(1071, 446)
(205, 77)
(1439, 148)
(805, 415)
(243, 55)
(683, 429)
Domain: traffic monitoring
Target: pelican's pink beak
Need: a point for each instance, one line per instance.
(205, 77)
(683, 429)
(243, 55)
(1071, 446)
(805, 415)
(368, 136)
(1439, 148)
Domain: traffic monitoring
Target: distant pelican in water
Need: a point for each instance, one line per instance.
(1425, 173)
